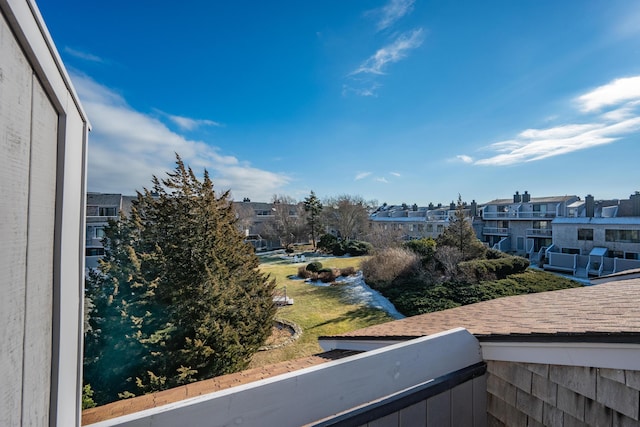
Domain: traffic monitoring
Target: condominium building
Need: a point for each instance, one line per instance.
(522, 225)
(416, 222)
(596, 238)
(101, 208)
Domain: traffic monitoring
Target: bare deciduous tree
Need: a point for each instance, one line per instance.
(347, 215)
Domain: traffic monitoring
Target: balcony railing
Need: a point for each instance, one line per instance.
(539, 232)
(517, 215)
(495, 231)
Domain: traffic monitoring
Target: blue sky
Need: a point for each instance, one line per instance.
(396, 100)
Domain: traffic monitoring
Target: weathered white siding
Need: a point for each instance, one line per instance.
(42, 166)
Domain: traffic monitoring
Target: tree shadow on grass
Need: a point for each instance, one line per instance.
(365, 314)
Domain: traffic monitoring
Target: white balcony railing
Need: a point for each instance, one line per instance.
(539, 232)
(495, 231)
(517, 215)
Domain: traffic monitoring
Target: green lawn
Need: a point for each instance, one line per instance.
(317, 310)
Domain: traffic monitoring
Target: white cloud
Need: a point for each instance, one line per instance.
(83, 55)
(536, 144)
(464, 158)
(361, 175)
(127, 147)
(619, 90)
(391, 53)
(396, 174)
(393, 11)
(187, 123)
(369, 90)
(382, 179)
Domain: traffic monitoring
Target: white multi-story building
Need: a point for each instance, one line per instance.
(522, 225)
(414, 222)
(596, 238)
(101, 208)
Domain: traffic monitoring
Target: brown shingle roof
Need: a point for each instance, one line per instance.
(610, 308)
(140, 403)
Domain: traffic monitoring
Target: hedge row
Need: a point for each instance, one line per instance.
(498, 268)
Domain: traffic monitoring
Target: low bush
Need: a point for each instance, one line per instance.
(412, 297)
(389, 265)
(425, 247)
(326, 243)
(314, 266)
(490, 269)
(304, 273)
(347, 271)
(327, 275)
(357, 247)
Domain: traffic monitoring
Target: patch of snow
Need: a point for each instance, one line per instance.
(356, 291)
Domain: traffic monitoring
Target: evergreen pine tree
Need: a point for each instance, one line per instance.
(313, 207)
(179, 296)
(460, 235)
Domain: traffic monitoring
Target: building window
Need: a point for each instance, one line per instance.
(622, 236)
(615, 254)
(542, 225)
(429, 228)
(111, 211)
(94, 252)
(420, 227)
(440, 228)
(571, 251)
(631, 255)
(585, 233)
(99, 233)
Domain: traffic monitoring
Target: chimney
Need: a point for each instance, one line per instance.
(589, 206)
(526, 197)
(474, 208)
(635, 204)
(517, 198)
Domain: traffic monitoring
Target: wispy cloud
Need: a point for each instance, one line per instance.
(382, 179)
(391, 53)
(619, 90)
(83, 55)
(187, 123)
(370, 90)
(396, 174)
(622, 96)
(361, 175)
(464, 158)
(127, 147)
(393, 11)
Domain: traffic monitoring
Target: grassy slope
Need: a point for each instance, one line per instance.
(317, 310)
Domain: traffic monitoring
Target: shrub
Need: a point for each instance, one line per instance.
(304, 273)
(338, 249)
(495, 254)
(327, 242)
(314, 266)
(425, 247)
(491, 269)
(347, 271)
(388, 265)
(327, 275)
(358, 247)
